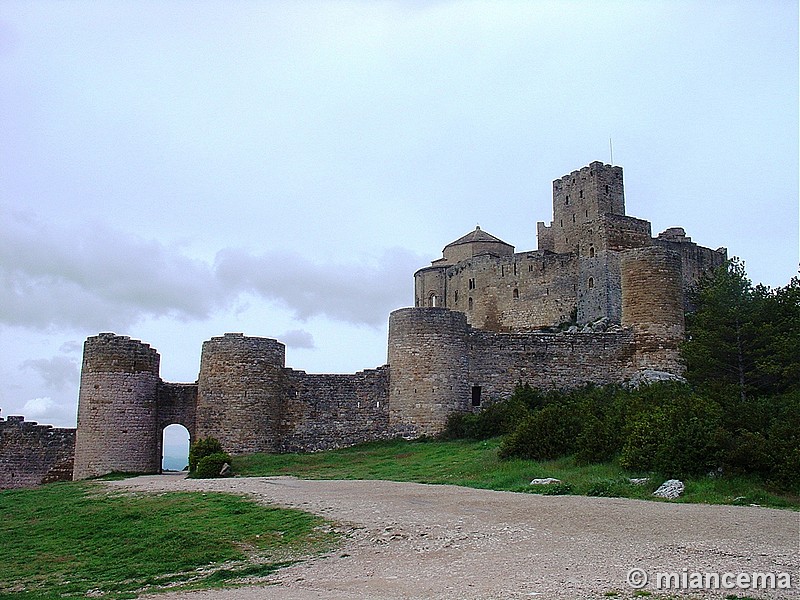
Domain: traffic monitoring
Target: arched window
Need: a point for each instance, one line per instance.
(433, 300)
(591, 282)
(591, 251)
(516, 294)
(470, 304)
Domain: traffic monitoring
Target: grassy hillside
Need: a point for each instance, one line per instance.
(476, 464)
(79, 539)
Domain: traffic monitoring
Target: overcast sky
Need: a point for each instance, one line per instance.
(176, 170)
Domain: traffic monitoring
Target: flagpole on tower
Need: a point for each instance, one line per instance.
(611, 149)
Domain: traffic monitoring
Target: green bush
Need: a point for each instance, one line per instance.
(605, 489)
(546, 434)
(557, 489)
(211, 466)
(201, 448)
(494, 420)
(682, 436)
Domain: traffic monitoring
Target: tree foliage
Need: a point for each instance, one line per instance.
(741, 338)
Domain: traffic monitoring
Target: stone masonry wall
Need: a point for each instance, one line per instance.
(241, 393)
(652, 304)
(250, 402)
(428, 361)
(177, 404)
(499, 361)
(696, 262)
(117, 412)
(524, 291)
(334, 411)
(33, 454)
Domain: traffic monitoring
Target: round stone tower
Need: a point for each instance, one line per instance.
(241, 392)
(117, 410)
(428, 376)
(652, 304)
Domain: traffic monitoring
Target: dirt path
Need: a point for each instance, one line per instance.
(432, 541)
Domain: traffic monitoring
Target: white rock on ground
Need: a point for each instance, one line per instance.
(670, 489)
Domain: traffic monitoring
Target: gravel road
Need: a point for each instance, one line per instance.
(411, 540)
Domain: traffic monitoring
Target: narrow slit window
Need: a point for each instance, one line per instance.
(591, 282)
(476, 395)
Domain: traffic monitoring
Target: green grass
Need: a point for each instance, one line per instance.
(69, 539)
(475, 464)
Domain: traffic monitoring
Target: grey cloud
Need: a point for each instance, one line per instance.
(57, 372)
(298, 338)
(72, 346)
(359, 293)
(96, 278)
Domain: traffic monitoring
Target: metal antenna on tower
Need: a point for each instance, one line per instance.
(611, 149)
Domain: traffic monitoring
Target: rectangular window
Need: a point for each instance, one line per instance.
(476, 395)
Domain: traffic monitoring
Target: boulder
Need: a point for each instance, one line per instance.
(648, 376)
(670, 489)
(545, 481)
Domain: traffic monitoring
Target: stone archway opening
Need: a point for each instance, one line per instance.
(174, 448)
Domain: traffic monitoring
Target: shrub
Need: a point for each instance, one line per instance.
(201, 448)
(546, 434)
(682, 436)
(494, 420)
(557, 489)
(211, 466)
(605, 489)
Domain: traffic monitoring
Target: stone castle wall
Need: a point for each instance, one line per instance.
(240, 392)
(333, 411)
(574, 274)
(652, 304)
(429, 372)
(483, 322)
(524, 291)
(33, 454)
(118, 409)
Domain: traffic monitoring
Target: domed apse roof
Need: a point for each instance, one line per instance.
(477, 236)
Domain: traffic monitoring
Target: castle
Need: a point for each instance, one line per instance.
(599, 301)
